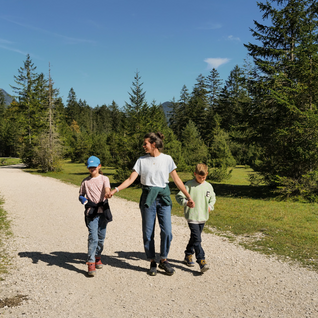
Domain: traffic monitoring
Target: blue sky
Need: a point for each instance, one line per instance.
(96, 47)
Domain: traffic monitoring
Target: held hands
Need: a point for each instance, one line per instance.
(108, 195)
(111, 193)
(190, 203)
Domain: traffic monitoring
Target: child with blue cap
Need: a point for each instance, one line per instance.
(94, 193)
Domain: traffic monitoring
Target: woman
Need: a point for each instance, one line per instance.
(154, 169)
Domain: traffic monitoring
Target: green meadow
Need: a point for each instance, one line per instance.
(249, 216)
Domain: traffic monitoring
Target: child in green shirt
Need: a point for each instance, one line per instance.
(203, 195)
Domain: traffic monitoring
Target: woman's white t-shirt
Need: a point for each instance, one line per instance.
(154, 171)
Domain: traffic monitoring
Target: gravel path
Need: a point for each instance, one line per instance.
(49, 253)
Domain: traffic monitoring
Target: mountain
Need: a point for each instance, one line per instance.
(167, 109)
(7, 97)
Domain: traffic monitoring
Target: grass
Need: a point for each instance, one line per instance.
(6, 161)
(4, 235)
(4, 223)
(251, 216)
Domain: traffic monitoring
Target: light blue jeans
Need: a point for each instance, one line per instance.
(96, 236)
(148, 227)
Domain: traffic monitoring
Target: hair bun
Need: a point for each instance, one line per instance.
(160, 135)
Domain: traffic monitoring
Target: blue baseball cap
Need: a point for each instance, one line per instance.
(93, 162)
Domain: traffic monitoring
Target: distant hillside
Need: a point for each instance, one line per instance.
(167, 109)
(7, 97)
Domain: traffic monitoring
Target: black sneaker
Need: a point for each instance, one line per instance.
(153, 269)
(167, 268)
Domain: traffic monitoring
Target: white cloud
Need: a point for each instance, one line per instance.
(232, 38)
(216, 62)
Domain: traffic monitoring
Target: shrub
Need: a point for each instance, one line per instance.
(255, 179)
(219, 174)
(304, 188)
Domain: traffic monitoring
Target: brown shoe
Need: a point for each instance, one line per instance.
(91, 269)
(98, 263)
(203, 266)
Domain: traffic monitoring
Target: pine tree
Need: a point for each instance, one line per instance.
(214, 88)
(232, 99)
(2, 123)
(118, 118)
(29, 109)
(178, 117)
(198, 104)
(48, 152)
(284, 110)
(214, 85)
(137, 108)
(102, 122)
(193, 147)
(27, 81)
(127, 147)
(72, 110)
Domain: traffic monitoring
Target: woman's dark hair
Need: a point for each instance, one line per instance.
(156, 138)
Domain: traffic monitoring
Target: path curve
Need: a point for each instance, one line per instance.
(49, 252)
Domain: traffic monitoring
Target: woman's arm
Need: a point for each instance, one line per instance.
(180, 185)
(126, 183)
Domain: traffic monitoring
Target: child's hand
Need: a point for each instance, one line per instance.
(112, 193)
(190, 203)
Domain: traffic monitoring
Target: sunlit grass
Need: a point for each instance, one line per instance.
(4, 161)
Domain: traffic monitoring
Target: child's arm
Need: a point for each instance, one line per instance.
(107, 192)
(82, 194)
(106, 188)
(212, 200)
(181, 198)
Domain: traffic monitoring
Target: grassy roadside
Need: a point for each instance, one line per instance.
(4, 222)
(4, 236)
(248, 215)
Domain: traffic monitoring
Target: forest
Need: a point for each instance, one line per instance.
(264, 115)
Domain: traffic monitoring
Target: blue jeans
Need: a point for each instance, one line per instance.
(148, 216)
(194, 245)
(96, 236)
